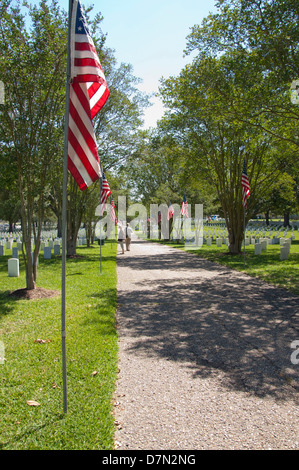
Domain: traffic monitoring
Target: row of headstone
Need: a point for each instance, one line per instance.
(260, 243)
(46, 247)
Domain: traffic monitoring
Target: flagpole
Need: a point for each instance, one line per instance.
(101, 186)
(64, 214)
(244, 235)
(114, 220)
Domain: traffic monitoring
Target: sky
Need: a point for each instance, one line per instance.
(151, 36)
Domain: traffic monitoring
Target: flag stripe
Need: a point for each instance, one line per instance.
(81, 133)
(84, 47)
(245, 185)
(73, 168)
(87, 164)
(79, 136)
(105, 192)
(81, 103)
(98, 100)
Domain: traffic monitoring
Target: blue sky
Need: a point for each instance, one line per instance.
(150, 35)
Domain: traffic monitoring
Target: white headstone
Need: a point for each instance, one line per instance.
(257, 248)
(219, 242)
(47, 252)
(284, 252)
(13, 267)
(9, 244)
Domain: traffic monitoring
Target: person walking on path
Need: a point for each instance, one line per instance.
(128, 237)
(121, 238)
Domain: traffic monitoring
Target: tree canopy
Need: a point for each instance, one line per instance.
(33, 53)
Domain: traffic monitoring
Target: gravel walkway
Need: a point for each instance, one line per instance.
(204, 356)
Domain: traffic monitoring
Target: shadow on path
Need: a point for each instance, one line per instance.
(215, 321)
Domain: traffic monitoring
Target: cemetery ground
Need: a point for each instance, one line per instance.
(31, 392)
(31, 374)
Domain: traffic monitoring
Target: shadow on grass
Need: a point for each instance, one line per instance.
(6, 303)
(102, 315)
(32, 431)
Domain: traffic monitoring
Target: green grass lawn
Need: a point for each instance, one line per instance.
(266, 266)
(33, 370)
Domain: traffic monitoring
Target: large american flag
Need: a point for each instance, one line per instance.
(245, 185)
(88, 94)
(105, 192)
(184, 210)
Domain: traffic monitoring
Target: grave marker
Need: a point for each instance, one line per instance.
(13, 267)
(47, 252)
(258, 249)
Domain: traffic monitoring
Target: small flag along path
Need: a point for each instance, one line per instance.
(205, 356)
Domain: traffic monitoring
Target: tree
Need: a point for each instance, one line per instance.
(32, 67)
(10, 207)
(202, 103)
(233, 103)
(267, 30)
(283, 197)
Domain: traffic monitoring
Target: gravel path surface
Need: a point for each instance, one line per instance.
(204, 356)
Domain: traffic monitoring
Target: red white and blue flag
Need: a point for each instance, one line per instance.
(112, 211)
(170, 211)
(184, 210)
(245, 185)
(88, 94)
(105, 192)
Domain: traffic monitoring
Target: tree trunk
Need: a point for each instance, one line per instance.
(59, 226)
(286, 219)
(30, 277)
(71, 246)
(235, 236)
(235, 227)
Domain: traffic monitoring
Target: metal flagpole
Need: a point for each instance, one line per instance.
(101, 186)
(64, 213)
(244, 235)
(114, 220)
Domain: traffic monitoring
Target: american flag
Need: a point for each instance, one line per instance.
(112, 210)
(88, 94)
(245, 185)
(105, 192)
(170, 211)
(184, 210)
